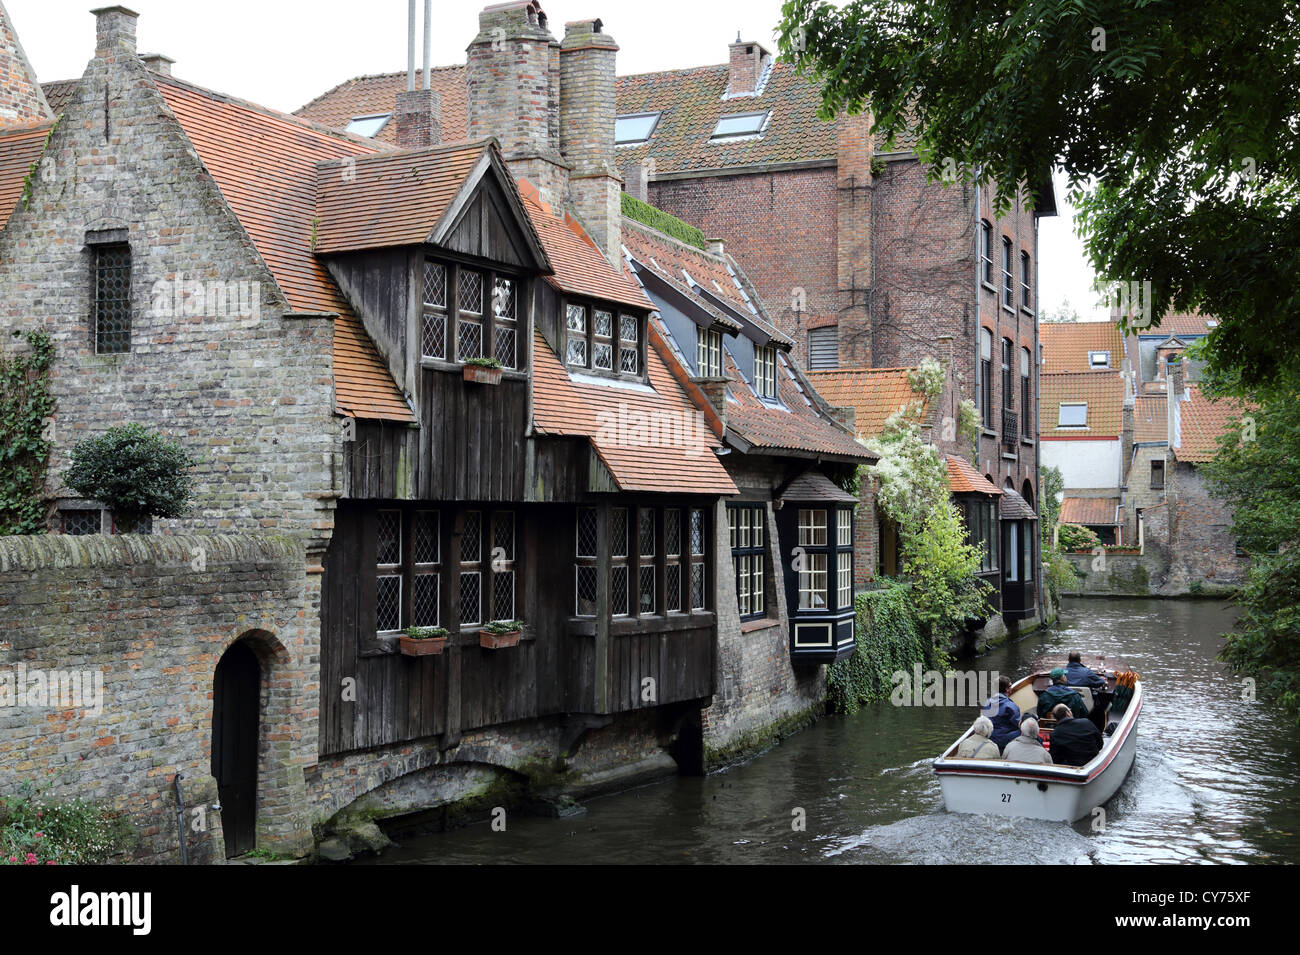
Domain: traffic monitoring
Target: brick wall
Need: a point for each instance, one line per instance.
(1139, 494)
(149, 618)
(1201, 546)
(21, 99)
(267, 444)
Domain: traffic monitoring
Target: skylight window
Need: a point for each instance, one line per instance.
(1073, 416)
(1099, 359)
(740, 124)
(634, 128)
(368, 125)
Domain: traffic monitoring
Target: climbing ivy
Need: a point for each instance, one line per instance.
(889, 638)
(25, 406)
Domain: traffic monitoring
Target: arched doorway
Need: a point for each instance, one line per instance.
(1027, 492)
(235, 697)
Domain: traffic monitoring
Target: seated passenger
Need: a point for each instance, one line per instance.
(1027, 748)
(978, 745)
(1076, 674)
(1058, 692)
(1075, 741)
(1004, 714)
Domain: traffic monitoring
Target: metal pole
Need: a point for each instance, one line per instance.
(180, 818)
(410, 45)
(428, 22)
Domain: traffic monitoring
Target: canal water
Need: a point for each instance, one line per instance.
(1216, 779)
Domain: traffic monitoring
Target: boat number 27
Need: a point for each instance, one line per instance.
(1006, 797)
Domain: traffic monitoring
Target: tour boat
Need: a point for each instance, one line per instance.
(1033, 791)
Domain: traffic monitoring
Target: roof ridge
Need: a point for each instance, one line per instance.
(859, 370)
(680, 69)
(273, 113)
(371, 76)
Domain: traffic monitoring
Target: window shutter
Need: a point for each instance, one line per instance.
(823, 348)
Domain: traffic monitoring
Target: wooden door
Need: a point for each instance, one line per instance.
(235, 694)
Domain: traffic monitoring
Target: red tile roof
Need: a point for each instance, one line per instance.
(58, 92)
(964, 479)
(1150, 418)
(1102, 391)
(1201, 422)
(580, 267)
(1066, 345)
(19, 148)
(650, 439)
(369, 95)
(390, 199)
(875, 393)
(264, 163)
(1089, 510)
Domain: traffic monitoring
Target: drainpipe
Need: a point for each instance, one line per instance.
(979, 440)
(180, 818)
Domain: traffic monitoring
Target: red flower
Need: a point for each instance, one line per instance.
(39, 834)
(31, 859)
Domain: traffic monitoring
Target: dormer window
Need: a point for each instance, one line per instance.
(470, 313)
(708, 353)
(602, 340)
(1098, 359)
(765, 372)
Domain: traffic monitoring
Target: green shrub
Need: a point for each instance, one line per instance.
(1061, 575)
(133, 472)
(35, 831)
(1077, 537)
(889, 638)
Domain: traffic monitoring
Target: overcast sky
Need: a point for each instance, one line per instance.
(282, 53)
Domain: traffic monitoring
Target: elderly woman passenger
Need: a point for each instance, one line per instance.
(978, 745)
(1026, 748)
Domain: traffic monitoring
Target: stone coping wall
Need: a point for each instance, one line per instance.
(108, 646)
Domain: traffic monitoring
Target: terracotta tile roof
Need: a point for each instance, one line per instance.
(1150, 418)
(798, 426)
(1013, 507)
(1180, 323)
(875, 393)
(390, 199)
(1103, 391)
(1090, 510)
(964, 479)
(19, 148)
(1200, 423)
(58, 92)
(369, 95)
(1066, 345)
(579, 266)
(264, 163)
(616, 418)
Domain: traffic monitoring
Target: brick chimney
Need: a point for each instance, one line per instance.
(1175, 365)
(715, 390)
(114, 30)
(419, 119)
(512, 79)
(587, 132)
(747, 62)
(636, 181)
(1126, 438)
(854, 151)
(157, 62)
(21, 99)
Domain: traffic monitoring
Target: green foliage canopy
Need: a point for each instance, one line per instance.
(1176, 121)
(134, 472)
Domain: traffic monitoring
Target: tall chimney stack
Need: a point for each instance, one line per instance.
(114, 30)
(512, 78)
(587, 115)
(21, 99)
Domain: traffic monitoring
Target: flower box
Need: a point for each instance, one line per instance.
(422, 641)
(501, 634)
(482, 374)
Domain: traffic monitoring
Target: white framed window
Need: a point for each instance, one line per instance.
(765, 371)
(632, 128)
(739, 124)
(708, 353)
(369, 126)
(1072, 415)
(629, 354)
(844, 582)
(576, 324)
(1098, 359)
(602, 340)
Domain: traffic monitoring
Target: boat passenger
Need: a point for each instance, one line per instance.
(978, 745)
(1058, 692)
(1027, 748)
(1074, 741)
(1004, 714)
(1076, 674)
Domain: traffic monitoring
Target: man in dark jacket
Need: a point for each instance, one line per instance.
(1058, 692)
(1074, 741)
(1004, 714)
(1076, 674)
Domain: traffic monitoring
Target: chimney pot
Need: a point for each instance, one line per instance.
(716, 246)
(114, 26)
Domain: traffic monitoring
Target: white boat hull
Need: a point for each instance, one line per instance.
(1032, 791)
